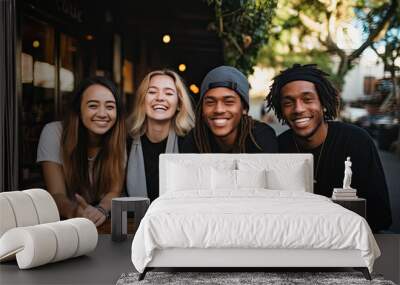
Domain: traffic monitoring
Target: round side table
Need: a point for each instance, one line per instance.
(119, 208)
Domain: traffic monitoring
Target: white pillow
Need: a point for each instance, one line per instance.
(251, 178)
(293, 179)
(181, 177)
(236, 179)
(281, 174)
(223, 179)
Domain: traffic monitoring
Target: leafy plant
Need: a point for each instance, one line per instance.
(314, 31)
(243, 27)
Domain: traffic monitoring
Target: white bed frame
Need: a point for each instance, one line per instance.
(250, 257)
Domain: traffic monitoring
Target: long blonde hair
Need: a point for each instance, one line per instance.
(182, 122)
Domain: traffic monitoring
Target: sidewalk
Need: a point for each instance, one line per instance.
(391, 166)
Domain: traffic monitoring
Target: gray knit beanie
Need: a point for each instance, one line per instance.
(228, 77)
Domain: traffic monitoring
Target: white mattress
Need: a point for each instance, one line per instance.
(252, 218)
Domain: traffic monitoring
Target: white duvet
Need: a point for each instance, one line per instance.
(253, 218)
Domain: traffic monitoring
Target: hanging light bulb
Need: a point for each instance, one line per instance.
(182, 67)
(166, 39)
(89, 37)
(194, 88)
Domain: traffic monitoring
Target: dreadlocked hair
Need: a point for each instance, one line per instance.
(327, 93)
(202, 139)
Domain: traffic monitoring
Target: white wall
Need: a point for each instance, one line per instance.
(369, 65)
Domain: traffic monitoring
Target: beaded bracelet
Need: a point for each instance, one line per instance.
(103, 211)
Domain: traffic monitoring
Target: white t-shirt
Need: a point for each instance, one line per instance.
(49, 148)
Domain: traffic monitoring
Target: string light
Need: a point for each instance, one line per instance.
(166, 39)
(182, 67)
(194, 88)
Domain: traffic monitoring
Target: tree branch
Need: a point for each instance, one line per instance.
(328, 42)
(377, 53)
(374, 34)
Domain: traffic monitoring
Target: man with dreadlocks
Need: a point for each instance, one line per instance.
(222, 121)
(306, 100)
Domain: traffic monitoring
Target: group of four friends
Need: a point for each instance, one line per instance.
(97, 153)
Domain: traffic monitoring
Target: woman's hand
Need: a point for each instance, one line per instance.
(88, 211)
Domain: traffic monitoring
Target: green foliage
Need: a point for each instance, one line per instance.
(243, 27)
(306, 32)
(291, 42)
(390, 40)
(302, 31)
(271, 56)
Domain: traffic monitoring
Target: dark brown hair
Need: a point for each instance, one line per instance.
(109, 164)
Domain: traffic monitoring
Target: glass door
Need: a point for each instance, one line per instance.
(51, 68)
(38, 93)
(70, 68)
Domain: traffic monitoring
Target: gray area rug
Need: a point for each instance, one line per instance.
(228, 278)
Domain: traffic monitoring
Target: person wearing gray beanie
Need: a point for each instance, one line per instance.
(222, 121)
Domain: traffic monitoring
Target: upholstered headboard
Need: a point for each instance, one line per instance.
(285, 171)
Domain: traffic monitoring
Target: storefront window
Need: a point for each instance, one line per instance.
(44, 92)
(38, 93)
(70, 69)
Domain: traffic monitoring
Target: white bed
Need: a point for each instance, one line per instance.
(230, 210)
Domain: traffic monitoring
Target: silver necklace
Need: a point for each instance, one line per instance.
(319, 158)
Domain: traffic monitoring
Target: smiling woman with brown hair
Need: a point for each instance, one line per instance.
(161, 116)
(83, 157)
